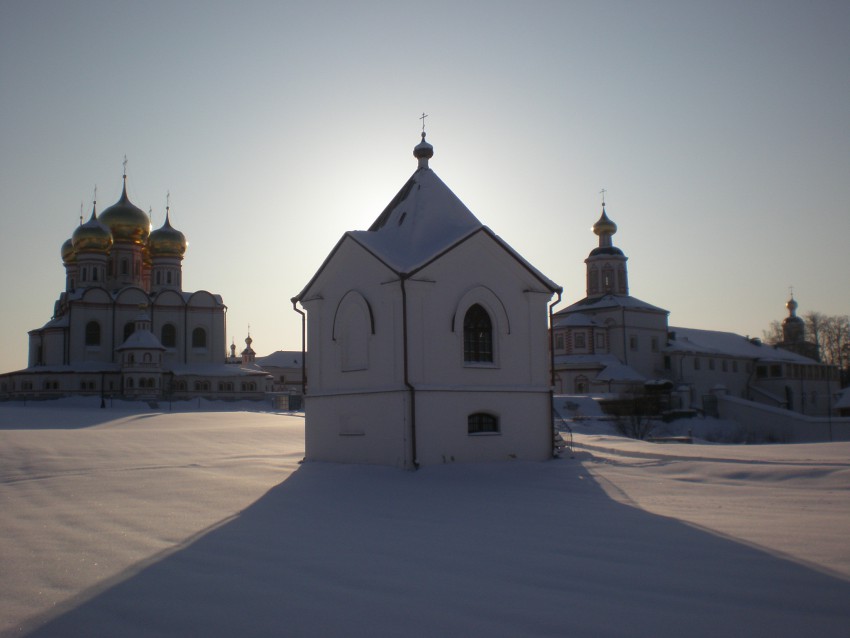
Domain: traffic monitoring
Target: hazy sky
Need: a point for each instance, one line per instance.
(721, 131)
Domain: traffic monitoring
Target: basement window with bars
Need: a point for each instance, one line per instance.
(482, 423)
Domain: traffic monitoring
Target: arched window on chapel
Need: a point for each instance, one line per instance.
(477, 335)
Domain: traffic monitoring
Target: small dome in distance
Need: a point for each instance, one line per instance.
(791, 305)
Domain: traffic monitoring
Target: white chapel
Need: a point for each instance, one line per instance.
(426, 339)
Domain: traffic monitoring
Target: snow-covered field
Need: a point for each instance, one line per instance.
(122, 523)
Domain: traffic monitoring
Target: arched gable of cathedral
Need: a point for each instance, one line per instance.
(132, 296)
(96, 296)
(203, 299)
(168, 298)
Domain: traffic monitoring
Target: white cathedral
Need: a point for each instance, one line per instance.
(124, 326)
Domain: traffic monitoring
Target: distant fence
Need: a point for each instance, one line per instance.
(782, 425)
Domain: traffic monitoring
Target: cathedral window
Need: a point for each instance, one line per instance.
(600, 340)
(633, 342)
(559, 341)
(125, 267)
(477, 336)
(158, 277)
(482, 423)
(580, 340)
(92, 333)
(199, 338)
(129, 328)
(168, 336)
(168, 277)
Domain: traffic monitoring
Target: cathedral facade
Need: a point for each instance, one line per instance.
(124, 326)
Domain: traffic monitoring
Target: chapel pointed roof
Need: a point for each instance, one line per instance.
(421, 223)
(423, 220)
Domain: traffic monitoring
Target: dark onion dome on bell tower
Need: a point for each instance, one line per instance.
(606, 264)
(604, 228)
(128, 222)
(167, 241)
(93, 236)
(793, 327)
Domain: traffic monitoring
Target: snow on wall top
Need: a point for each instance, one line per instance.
(694, 340)
(611, 301)
(281, 359)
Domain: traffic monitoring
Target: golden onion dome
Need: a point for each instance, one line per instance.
(68, 254)
(791, 305)
(93, 236)
(167, 241)
(604, 226)
(128, 222)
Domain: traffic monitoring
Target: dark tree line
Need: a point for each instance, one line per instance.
(830, 333)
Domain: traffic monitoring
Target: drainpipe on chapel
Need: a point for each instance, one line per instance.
(407, 383)
(552, 365)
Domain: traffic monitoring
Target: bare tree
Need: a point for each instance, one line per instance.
(773, 334)
(835, 343)
(815, 323)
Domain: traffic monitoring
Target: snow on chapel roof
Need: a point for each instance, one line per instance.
(424, 220)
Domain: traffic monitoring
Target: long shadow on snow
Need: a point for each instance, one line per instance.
(523, 549)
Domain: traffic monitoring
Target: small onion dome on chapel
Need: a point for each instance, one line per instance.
(167, 241)
(423, 152)
(93, 236)
(68, 254)
(128, 222)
